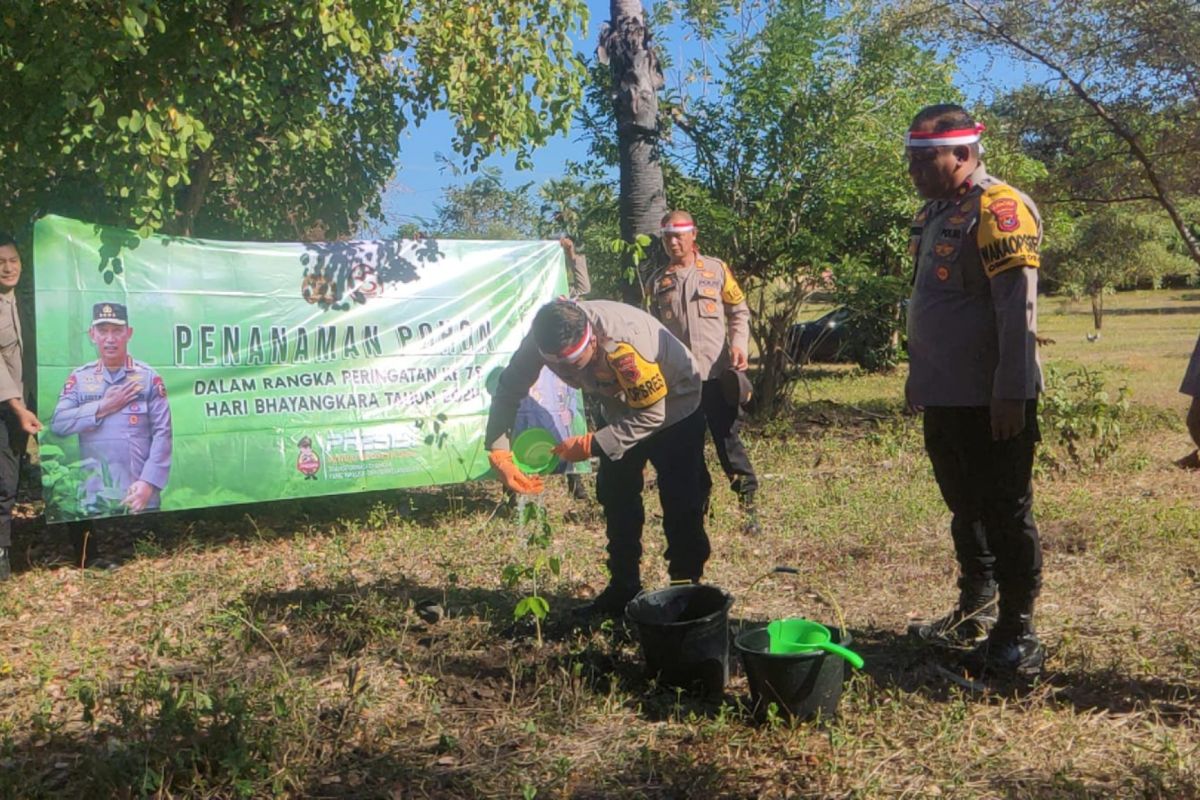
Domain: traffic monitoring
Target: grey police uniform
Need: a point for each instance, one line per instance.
(12, 436)
(580, 277)
(706, 309)
(134, 442)
(649, 390)
(972, 320)
(1191, 378)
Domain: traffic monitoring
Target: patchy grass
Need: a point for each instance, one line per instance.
(364, 646)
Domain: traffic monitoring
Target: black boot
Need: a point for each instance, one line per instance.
(1012, 650)
(750, 523)
(624, 583)
(968, 624)
(610, 602)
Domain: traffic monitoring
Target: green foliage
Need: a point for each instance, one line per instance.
(169, 737)
(269, 120)
(583, 205)
(537, 570)
(486, 209)
(874, 302)
(1115, 247)
(796, 157)
(1081, 424)
(1115, 111)
(72, 488)
(631, 254)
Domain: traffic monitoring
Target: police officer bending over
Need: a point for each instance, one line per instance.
(649, 388)
(974, 373)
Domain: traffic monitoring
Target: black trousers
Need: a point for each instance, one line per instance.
(12, 445)
(677, 454)
(987, 486)
(725, 423)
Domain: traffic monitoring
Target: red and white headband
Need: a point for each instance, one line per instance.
(677, 227)
(572, 353)
(945, 138)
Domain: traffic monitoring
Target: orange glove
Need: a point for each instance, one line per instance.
(511, 476)
(575, 448)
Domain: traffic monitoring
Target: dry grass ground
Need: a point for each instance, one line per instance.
(289, 649)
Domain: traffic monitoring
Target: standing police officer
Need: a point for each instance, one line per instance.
(697, 298)
(118, 406)
(1191, 387)
(17, 422)
(974, 372)
(649, 388)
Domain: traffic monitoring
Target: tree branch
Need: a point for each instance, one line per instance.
(1120, 129)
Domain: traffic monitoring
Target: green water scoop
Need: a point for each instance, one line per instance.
(801, 635)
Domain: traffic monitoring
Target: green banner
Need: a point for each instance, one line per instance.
(177, 373)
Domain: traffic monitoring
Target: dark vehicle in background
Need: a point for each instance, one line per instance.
(846, 336)
(825, 340)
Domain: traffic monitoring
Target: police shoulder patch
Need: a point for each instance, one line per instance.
(68, 386)
(1008, 234)
(159, 387)
(731, 292)
(642, 380)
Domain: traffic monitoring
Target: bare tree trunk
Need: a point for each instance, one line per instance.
(1097, 308)
(627, 48)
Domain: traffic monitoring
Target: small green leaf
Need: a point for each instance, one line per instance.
(522, 608)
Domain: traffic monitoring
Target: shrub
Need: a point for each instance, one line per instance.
(1081, 425)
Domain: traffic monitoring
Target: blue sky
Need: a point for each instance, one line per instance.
(421, 176)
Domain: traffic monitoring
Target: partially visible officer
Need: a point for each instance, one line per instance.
(577, 269)
(974, 372)
(581, 285)
(697, 298)
(118, 406)
(649, 388)
(1191, 387)
(17, 423)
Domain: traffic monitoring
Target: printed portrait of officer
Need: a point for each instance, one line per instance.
(118, 407)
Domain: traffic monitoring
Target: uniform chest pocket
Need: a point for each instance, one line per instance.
(707, 299)
(942, 258)
(942, 275)
(136, 410)
(665, 293)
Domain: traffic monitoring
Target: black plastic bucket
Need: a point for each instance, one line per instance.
(801, 685)
(684, 631)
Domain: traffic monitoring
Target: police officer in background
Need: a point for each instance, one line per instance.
(974, 373)
(581, 285)
(17, 423)
(1191, 387)
(649, 388)
(118, 407)
(697, 298)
